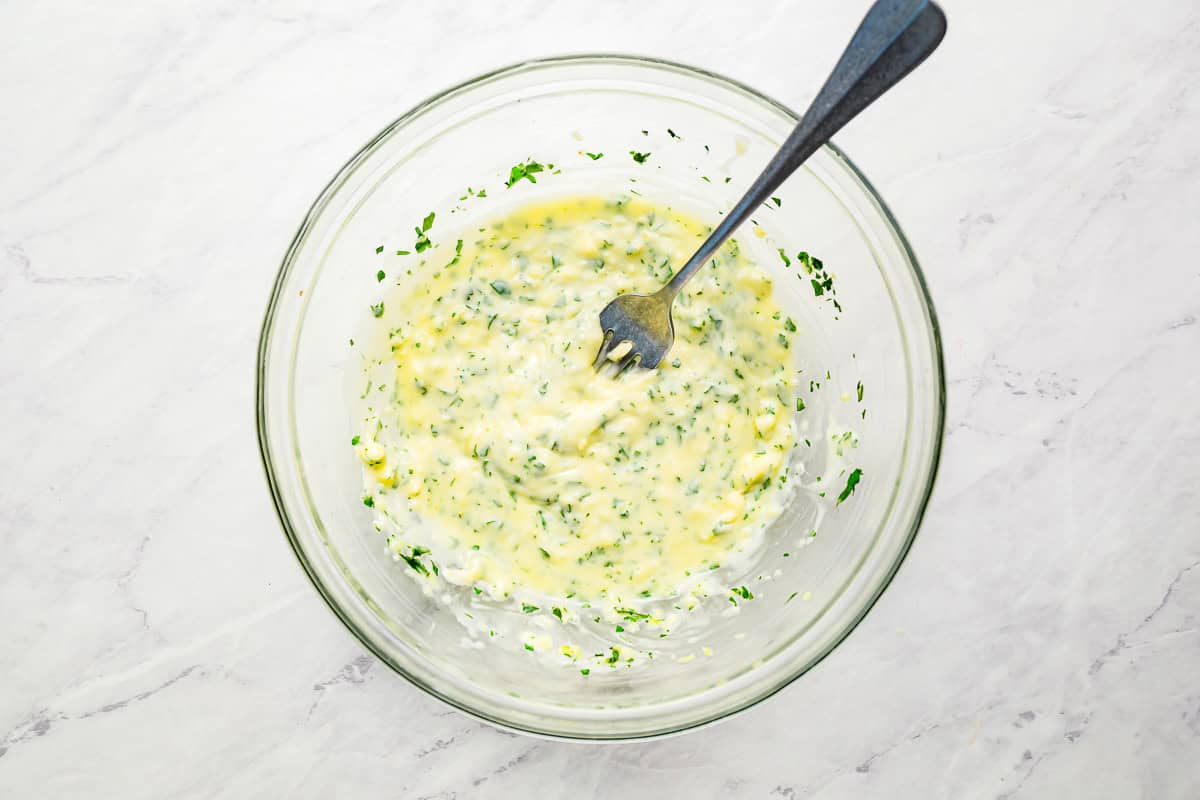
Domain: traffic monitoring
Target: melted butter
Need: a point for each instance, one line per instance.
(532, 477)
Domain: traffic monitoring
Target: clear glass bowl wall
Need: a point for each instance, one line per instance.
(885, 337)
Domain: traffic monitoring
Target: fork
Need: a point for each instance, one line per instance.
(893, 38)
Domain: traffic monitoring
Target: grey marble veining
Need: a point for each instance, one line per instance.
(1043, 638)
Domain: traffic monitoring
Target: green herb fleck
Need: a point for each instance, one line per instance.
(355, 440)
(422, 244)
(594, 156)
(632, 616)
(377, 309)
(369, 501)
(851, 481)
(639, 157)
(457, 253)
(379, 276)
(528, 609)
(524, 171)
(500, 288)
(413, 562)
(379, 249)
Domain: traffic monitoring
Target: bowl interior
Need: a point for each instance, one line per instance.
(708, 138)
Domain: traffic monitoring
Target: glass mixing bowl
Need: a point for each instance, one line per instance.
(700, 129)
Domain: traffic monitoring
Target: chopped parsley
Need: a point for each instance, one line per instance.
(413, 560)
(632, 616)
(422, 244)
(377, 309)
(524, 171)
(851, 481)
(528, 609)
(819, 278)
(639, 157)
(379, 276)
(594, 156)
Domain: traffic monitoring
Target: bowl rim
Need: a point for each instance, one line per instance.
(317, 208)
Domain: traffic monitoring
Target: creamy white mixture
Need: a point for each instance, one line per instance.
(496, 458)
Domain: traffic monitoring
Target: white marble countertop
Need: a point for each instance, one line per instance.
(159, 640)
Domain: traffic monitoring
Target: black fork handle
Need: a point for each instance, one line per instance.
(894, 37)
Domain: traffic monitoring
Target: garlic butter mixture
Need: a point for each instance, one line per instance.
(497, 459)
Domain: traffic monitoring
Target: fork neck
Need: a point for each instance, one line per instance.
(739, 214)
